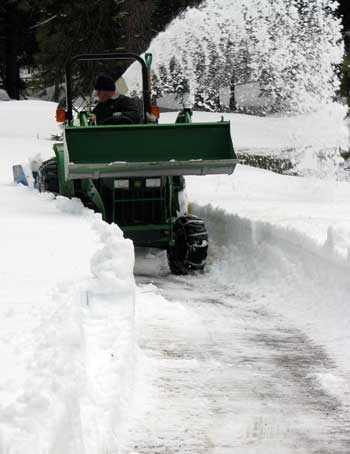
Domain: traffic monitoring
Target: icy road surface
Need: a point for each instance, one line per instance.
(223, 374)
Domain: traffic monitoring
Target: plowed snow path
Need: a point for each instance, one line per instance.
(222, 374)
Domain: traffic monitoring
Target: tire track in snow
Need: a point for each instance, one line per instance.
(225, 373)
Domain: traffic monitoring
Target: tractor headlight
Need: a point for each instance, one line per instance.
(153, 182)
(121, 184)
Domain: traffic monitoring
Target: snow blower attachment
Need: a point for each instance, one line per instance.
(133, 174)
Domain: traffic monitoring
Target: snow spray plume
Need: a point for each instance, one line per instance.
(291, 47)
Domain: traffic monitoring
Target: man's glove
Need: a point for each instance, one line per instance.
(117, 116)
(151, 118)
(92, 118)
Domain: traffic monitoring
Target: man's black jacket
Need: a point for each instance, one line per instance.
(129, 107)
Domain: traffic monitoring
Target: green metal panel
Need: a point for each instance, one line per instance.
(185, 116)
(149, 169)
(149, 143)
(83, 118)
(152, 235)
(66, 187)
(91, 193)
(146, 150)
(142, 228)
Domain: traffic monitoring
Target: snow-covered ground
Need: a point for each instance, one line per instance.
(252, 356)
(66, 308)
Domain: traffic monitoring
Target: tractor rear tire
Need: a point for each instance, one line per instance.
(190, 250)
(48, 176)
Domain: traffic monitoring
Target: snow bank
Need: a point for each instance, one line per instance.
(288, 271)
(285, 242)
(67, 342)
(26, 128)
(67, 307)
(29, 119)
(308, 205)
(109, 340)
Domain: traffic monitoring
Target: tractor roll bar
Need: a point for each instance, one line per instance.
(107, 56)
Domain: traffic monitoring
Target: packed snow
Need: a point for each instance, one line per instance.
(252, 356)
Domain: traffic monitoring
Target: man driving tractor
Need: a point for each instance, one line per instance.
(113, 108)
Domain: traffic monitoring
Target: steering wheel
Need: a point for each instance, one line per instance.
(124, 119)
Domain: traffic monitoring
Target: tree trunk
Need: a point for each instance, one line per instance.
(138, 25)
(2, 48)
(12, 80)
(144, 19)
(233, 94)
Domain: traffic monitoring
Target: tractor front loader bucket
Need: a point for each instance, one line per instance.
(148, 150)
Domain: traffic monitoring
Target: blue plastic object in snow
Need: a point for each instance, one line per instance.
(19, 176)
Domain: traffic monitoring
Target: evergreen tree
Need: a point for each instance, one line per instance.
(165, 11)
(55, 31)
(73, 28)
(17, 42)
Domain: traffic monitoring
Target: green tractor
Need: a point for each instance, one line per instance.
(133, 174)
